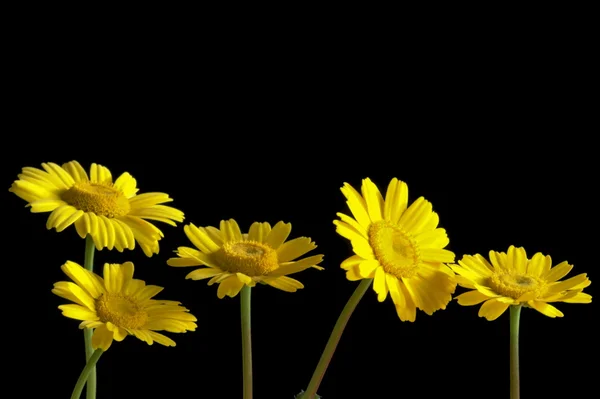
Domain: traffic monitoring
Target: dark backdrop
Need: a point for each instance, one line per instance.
(505, 157)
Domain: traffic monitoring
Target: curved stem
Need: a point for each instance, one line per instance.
(246, 341)
(88, 332)
(515, 313)
(334, 339)
(89, 366)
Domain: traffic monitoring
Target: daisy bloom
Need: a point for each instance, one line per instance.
(399, 246)
(233, 259)
(512, 279)
(119, 305)
(110, 212)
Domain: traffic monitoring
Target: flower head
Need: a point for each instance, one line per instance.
(119, 305)
(233, 259)
(399, 246)
(111, 212)
(513, 279)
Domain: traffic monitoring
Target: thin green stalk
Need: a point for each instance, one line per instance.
(87, 332)
(515, 313)
(334, 338)
(83, 377)
(246, 341)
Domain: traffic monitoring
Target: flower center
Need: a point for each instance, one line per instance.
(101, 199)
(121, 310)
(248, 257)
(395, 249)
(514, 285)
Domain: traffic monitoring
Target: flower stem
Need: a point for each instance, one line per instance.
(246, 341)
(88, 332)
(83, 377)
(334, 339)
(515, 313)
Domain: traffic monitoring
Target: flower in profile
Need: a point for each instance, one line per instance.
(233, 259)
(119, 305)
(110, 212)
(399, 246)
(513, 279)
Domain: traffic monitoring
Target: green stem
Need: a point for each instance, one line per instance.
(246, 341)
(87, 332)
(334, 339)
(515, 313)
(83, 377)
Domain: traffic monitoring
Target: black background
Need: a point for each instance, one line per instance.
(503, 149)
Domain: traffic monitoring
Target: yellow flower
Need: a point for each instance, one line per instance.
(513, 279)
(119, 305)
(234, 259)
(110, 212)
(399, 246)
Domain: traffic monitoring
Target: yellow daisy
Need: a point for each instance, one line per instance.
(233, 259)
(399, 246)
(118, 305)
(111, 212)
(513, 279)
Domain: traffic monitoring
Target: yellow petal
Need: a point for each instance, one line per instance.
(59, 172)
(567, 284)
(78, 312)
(471, 298)
(294, 249)
(100, 174)
(557, 272)
(477, 264)
(416, 216)
(298, 266)
(545, 308)
(76, 171)
(231, 286)
(113, 279)
(357, 205)
(148, 292)
(367, 268)
(284, 283)
(230, 230)
(348, 231)
(492, 309)
(75, 293)
(161, 339)
(84, 278)
(102, 338)
(373, 200)
(353, 223)
(396, 200)
(435, 255)
(183, 262)
(352, 274)
(362, 248)
(581, 297)
(201, 274)
(46, 205)
(432, 239)
(351, 262)
(380, 285)
(119, 333)
(518, 259)
(259, 231)
(279, 234)
(127, 184)
(538, 265)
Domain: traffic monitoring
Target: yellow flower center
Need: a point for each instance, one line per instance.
(515, 285)
(120, 310)
(396, 250)
(99, 198)
(248, 257)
